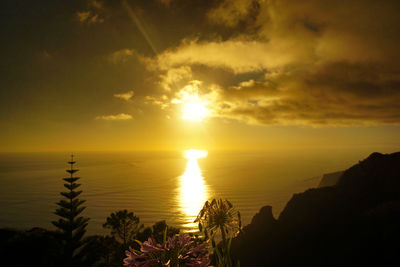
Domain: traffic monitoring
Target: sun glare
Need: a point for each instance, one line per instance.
(193, 106)
(194, 111)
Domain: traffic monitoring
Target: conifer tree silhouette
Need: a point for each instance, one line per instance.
(71, 225)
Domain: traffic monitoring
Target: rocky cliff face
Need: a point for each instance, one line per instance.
(354, 222)
(330, 179)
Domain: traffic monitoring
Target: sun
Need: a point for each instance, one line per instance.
(194, 107)
(194, 111)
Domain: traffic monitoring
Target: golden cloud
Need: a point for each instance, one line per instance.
(117, 117)
(120, 56)
(174, 76)
(239, 56)
(125, 96)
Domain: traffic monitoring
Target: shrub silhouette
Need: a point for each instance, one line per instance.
(124, 225)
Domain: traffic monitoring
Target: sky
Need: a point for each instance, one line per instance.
(212, 74)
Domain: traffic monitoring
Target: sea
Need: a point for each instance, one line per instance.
(166, 185)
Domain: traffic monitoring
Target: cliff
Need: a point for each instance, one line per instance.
(354, 222)
(330, 179)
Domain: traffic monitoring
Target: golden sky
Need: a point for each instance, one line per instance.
(209, 74)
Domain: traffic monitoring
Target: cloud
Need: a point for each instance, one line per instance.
(174, 77)
(93, 14)
(121, 56)
(286, 103)
(317, 63)
(161, 101)
(239, 56)
(96, 4)
(117, 117)
(125, 96)
(309, 99)
(89, 17)
(233, 12)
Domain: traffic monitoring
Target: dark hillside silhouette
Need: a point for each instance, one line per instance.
(352, 223)
(330, 179)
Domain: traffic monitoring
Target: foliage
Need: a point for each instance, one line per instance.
(176, 251)
(124, 225)
(144, 234)
(219, 217)
(159, 229)
(102, 251)
(71, 224)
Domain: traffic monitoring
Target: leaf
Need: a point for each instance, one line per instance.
(219, 255)
(229, 245)
(201, 214)
(165, 235)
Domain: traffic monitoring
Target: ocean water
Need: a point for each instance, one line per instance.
(169, 186)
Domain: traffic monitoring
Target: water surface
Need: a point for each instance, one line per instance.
(158, 185)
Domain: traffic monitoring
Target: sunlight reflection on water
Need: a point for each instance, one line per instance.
(193, 191)
(158, 185)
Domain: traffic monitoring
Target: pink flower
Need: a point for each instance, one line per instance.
(132, 257)
(178, 249)
(151, 246)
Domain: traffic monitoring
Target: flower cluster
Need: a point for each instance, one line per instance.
(177, 251)
(219, 215)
